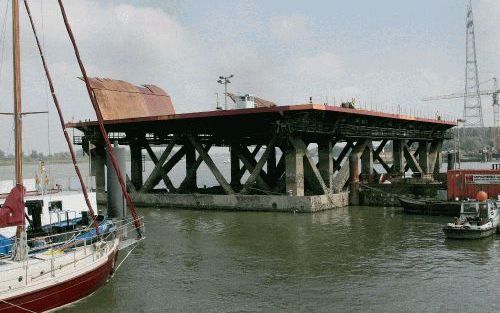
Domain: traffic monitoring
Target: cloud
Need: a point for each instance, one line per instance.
(282, 57)
(288, 28)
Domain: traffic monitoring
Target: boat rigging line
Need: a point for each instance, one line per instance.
(61, 120)
(100, 120)
(126, 257)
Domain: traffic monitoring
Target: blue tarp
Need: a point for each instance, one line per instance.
(5, 245)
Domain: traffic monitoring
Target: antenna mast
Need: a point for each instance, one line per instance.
(16, 50)
(473, 113)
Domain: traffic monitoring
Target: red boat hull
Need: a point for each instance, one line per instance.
(61, 294)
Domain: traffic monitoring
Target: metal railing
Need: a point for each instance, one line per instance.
(55, 255)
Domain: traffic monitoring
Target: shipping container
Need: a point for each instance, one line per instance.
(465, 184)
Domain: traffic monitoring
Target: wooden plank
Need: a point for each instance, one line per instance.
(376, 155)
(435, 149)
(250, 163)
(255, 173)
(380, 148)
(316, 176)
(250, 166)
(415, 156)
(343, 153)
(250, 157)
(192, 170)
(211, 165)
(280, 169)
(178, 155)
(386, 167)
(150, 151)
(165, 178)
(360, 147)
(157, 172)
(411, 160)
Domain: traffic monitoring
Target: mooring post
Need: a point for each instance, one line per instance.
(294, 170)
(136, 165)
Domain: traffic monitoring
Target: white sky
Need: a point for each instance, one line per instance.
(384, 53)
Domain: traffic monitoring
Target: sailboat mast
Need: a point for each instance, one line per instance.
(16, 50)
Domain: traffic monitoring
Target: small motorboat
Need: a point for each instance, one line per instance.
(478, 219)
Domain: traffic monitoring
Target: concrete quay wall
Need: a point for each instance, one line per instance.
(237, 202)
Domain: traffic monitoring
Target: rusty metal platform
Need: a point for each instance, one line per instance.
(284, 150)
(256, 126)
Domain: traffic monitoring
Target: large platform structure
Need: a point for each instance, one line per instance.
(288, 152)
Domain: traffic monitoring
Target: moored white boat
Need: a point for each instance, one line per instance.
(54, 275)
(48, 271)
(57, 209)
(478, 219)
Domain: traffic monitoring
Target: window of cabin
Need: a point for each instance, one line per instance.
(55, 206)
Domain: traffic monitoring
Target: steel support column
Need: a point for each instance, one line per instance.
(354, 179)
(272, 167)
(136, 165)
(436, 158)
(325, 162)
(423, 156)
(235, 166)
(398, 157)
(191, 182)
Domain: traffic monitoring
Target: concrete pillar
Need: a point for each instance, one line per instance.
(294, 171)
(235, 166)
(136, 165)
(190, 163)
(367, 163)
(117, 206)
(354, 179)
(398, 157)
(99, 169)
(325, 158)
(423, 156)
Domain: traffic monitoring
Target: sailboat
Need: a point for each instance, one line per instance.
(48, 208)
(46, 272)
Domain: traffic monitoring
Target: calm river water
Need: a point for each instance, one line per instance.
(356, 259)
(353, 259)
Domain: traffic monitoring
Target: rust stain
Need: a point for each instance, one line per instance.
(119, 99)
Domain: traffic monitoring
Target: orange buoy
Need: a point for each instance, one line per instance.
(482, 196)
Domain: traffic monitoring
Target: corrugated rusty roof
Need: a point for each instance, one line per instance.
(119, 99)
